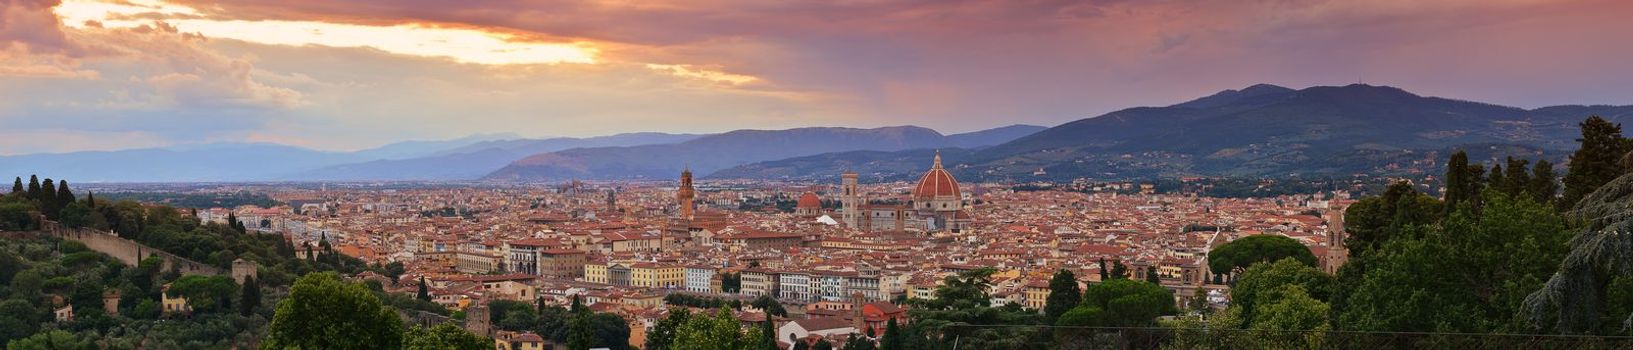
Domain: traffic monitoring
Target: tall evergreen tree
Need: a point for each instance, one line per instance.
(579, 334)
(1105, 270)
(90, 199)
(1518, 177)
(1596, 161)
(48, 197)
(425, 291)
(250, 298)
(17, 185)
(1498, 180)
(1463, 182)
(1118, 270)
(33, 187)
(768, 335)
(1151, 275)
(892, 339)
(64, 195)
(1064, 295)
(1543, 184)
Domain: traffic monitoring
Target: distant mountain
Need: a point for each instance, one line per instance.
(473, 160)
(1262, 130)
(992, 136)
(709, 153)
(412, 149)
(216, 162)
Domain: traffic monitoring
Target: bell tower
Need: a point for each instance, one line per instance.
(685, 193)
(850, 198)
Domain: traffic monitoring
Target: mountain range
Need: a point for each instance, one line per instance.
(1261, 130)
(714, 152)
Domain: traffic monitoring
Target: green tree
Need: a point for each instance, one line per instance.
(892, 339)
(1597, 160)
(444, 336)
(1374, 220)
(718, 332)
(770, 305)
(1518, 179)
(1240, 254)
(1105, 269)
(1128, 303)
(1118, 270)
(1151, 275)
(394, 270)
(1261, 280)
(579, 334)
(1544, 184)
(767, 339)
(1463, 182)
(64, 196)
(963, 291)
(17, 185)
(663, 332)
(1469, 274)
(1589, 291)
(425, 291)
(1064, 294)
(206, 293)
(18, 319)
(250, 298)
(33, 187)
(52, 340)
(323, 312)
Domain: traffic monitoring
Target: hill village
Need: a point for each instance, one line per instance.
(843, 260)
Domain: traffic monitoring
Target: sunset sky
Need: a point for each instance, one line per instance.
(343, 75)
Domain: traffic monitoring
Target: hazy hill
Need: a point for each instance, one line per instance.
(709, 153)
(218, 162)
(475, 159)
(1262, 130)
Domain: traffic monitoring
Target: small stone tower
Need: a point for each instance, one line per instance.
(685, 194)
(850, 200)
(477, 322)
(243, 269)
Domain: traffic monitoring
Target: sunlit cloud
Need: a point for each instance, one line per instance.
(458, 44)
(694, 72)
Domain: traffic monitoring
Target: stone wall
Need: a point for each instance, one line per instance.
(128, 251)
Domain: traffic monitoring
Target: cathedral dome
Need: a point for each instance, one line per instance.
(809, 200)
(936, 183)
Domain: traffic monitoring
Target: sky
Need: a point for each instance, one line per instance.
(344, 75)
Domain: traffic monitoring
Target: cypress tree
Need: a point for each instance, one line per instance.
(250, 298)
(17, 185)
(1498, 181)
(1596, 161)
(1104, 270)
(90, 199)
(1463, 182)
(33, 187)
(1064, 295)
(1518, 177)
(65, 196)
(768, 335)
(1543, 186)
(1118, 270)
(425, 293)
(1151, 275)
(48, 198)
(892, 339)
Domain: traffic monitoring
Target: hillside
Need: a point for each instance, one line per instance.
(1262, 130)
(710, 153)
(476, 159)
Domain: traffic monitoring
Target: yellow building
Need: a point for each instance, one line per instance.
(595, 273)
(653, 275)
(172, 305)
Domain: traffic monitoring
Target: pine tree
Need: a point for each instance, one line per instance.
(17, 185)
(250, 297)
(1543, 184)
(425, 292)
(1064, 295)
(1596, 161)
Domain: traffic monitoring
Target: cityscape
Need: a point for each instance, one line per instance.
(879, 175)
